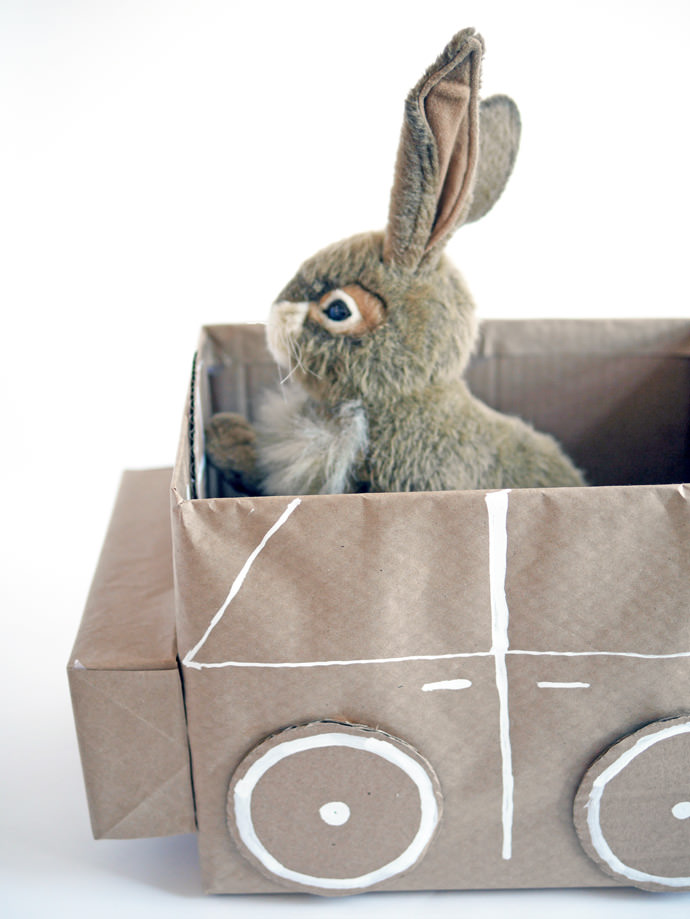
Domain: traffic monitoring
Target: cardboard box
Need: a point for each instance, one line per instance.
(124, 677)
(435, 690)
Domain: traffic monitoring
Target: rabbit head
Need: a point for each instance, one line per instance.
(383, 312)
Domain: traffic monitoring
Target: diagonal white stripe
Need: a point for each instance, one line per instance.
(188, 659)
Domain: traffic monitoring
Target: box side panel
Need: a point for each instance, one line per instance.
(231, 368)
(615, 393)
(128, 620)
(133, 744)
(238, 367)
(234, 369)
(515, 337)
(339, 613)
(124, 679)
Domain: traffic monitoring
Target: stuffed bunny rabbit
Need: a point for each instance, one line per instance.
(375, 332)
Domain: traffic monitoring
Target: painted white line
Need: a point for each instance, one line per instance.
(446, 684)
(545, 684)
(635, 654)
(289, 665)
(433, 657)
(188, 659)
(497, 505)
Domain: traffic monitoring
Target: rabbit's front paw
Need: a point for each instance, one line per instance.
(230, 447)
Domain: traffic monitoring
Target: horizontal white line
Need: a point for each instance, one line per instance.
(545, 684)
(197, 665)
(446, 684)
(604, 654)
(376, 660)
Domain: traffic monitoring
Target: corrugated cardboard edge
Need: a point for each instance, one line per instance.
(124, 678)
(587, 805)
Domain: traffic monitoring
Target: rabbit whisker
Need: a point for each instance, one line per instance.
(295, 350)
(288, 375)
(290, 349)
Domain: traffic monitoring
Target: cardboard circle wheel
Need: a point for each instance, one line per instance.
(332, 807)
(632, 808)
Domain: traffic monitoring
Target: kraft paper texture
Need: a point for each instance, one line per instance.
(379, 610)
(124, 679)
(511, 641)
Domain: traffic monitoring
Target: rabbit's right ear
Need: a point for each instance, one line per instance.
(437, 156)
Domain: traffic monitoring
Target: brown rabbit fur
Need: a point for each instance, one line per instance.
(377, 330)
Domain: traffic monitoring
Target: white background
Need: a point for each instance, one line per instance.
(164, 165)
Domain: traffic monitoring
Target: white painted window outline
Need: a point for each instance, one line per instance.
(593, 806)
(189, 658)
(428, 806)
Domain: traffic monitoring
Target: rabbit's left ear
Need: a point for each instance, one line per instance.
(437, 156)
(499, 139)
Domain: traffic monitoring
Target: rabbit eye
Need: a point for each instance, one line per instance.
(338, 311)
(349, 310)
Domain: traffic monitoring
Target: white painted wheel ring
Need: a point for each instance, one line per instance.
(365, 740)
(590, 803)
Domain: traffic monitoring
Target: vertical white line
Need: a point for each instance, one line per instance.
(188, 659)
(497, 506)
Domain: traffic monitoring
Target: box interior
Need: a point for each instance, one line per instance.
(616, 393)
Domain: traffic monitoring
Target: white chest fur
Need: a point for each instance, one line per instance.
(302, 452)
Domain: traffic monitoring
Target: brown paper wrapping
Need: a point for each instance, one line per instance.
(124, 679)
(370, 611)
(508, 639)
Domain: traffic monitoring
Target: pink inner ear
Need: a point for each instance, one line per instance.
(447, 110)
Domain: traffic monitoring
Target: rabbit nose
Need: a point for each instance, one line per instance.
(285, 320)
(289, 314)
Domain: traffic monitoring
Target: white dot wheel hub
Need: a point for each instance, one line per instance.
(632, 808)
(333, 808)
